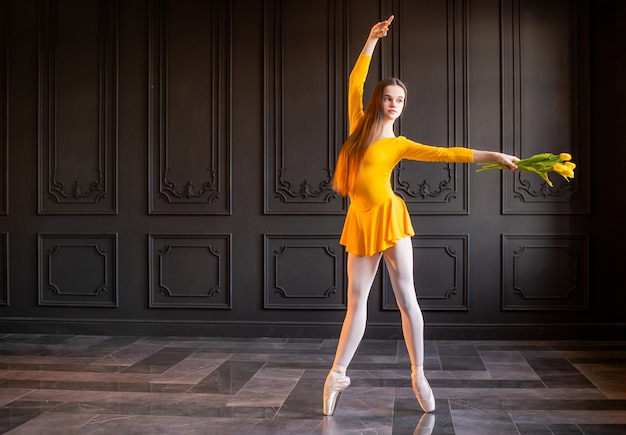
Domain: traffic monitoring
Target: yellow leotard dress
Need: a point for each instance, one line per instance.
(377, 218)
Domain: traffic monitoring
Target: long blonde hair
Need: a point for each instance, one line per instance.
(353, 149)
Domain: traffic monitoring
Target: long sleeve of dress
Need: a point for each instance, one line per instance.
(355, 89)
(416, 151)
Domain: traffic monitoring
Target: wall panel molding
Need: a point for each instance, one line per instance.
(601, 331)
(545, 272)
(78, 270)
(78, 70)
(302, 140)
(190, 271)
(440, 268)
(545, 101)
(189, 107)
(4, 269)
(4, 107)
(320, 257)
(437, 32)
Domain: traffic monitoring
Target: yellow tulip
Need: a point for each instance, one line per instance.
(565, 157)
(563, 170)
(540, 164)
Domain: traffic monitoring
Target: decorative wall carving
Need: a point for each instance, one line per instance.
(440, 268)
(189, 107)
(545, 272)
(300, 149)
(78, 107)
(4, 108)
(4, 269)
(190, 271)
(78, 270)
(437, 33)
(304, 272)
(545, 101)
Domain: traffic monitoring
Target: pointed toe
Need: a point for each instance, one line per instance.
(422, 390)
(334, 386)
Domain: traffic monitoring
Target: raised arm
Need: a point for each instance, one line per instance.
(379, 30)
(359, 72)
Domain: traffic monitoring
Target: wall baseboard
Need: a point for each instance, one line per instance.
(433, 331)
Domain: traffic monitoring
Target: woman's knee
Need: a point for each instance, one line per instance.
(409, 307)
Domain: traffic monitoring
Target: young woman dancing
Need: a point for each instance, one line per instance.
(377, 223)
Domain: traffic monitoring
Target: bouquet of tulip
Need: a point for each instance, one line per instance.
(541, 164)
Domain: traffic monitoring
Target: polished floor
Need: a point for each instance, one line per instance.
(68, 384)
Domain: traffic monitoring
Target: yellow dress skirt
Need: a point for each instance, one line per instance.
(376, 229)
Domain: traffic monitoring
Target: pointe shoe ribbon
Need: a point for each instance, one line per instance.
(335, 384)
(422, 390)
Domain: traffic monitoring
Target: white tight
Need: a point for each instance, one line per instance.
(361, 274)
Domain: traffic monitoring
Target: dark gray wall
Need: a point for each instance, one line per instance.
(166, 165)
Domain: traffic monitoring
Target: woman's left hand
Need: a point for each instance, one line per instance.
(380, 29)
(508, 161)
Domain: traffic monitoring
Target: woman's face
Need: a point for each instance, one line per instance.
(393, 102)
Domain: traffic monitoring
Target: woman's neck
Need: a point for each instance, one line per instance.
(386, 131)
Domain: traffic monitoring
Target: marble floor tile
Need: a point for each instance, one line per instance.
(602, 429)
(159, 362)
(511, 371)
(54, 423)
(268, 387)
(462, 362)
(481, 422)
(569, 417)
(73, 384)
(131, 354)
(609, 378)
(526, 393)
(192, 369)
(501, 357)
(8, 395)
(228, 378)
(20, 411)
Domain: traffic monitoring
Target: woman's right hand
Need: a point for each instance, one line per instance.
(379, 30)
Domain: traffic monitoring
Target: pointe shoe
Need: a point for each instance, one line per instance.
(422, 390)
(335, 384)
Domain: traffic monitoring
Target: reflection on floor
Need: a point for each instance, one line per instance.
(180, 385)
